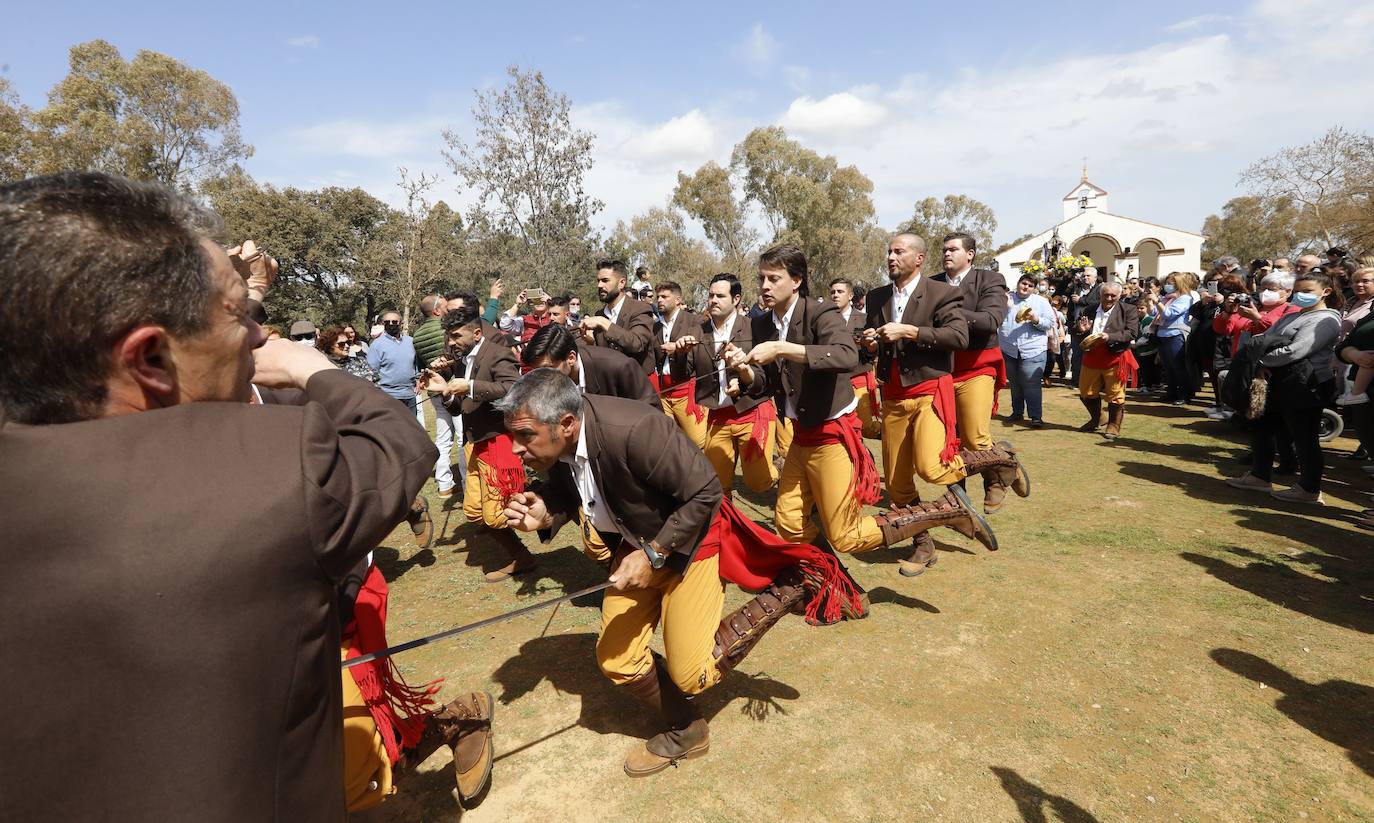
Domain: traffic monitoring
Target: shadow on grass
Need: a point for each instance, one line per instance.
(883, 594)
(568, 662)
(389, 560)
(1032, 801)
(1338, 711)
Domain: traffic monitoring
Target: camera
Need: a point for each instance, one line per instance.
(1243, 299)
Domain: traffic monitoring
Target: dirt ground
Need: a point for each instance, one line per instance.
(1149, 644)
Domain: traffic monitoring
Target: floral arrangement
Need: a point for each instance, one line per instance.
(1067, 263)
(1033, 267)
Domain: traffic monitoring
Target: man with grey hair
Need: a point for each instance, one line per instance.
(193, 593)
(1108, 364)
(1307, 263)
(662, 530)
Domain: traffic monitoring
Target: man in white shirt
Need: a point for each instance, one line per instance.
(861, 378)
(673, 366)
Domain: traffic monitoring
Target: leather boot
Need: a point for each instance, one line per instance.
(421, 524)
(1001, 465)
(521, 560)
(741, 630)
(687, 735)
(1116, 413)
(1094, 407)
(954, 510)
(464, 725)
(921, 559)
(994, 494)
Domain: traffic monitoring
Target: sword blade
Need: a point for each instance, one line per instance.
(489, 621)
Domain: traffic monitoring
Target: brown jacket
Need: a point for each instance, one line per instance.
(493, 373)
(172, 646)
(858, 319)
(1122, 328)
(705, 356)
(610, 373)
(684, 323)
(659, 486)
(985, 306)
(632, 334)
(934, 309)
(819, 387)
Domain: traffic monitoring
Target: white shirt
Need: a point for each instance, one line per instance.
(1100, 320)
(667, 332)
(468, 360)
(613, 311)
(847, 313)
(581, 373)
(900, 296)
(588, 487)
(720, 337)
(781, 326)
(956, 279)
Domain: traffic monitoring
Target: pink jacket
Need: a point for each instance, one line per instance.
(1237, 325)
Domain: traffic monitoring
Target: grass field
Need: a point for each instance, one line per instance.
(1148, 644)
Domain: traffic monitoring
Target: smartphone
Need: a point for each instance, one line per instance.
(1212, 286)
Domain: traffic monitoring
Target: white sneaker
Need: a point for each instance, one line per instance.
(1211, 410)
(1297, 494)
(1221, 415)
(1349, 399)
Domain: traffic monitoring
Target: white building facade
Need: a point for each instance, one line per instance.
(1118, 245)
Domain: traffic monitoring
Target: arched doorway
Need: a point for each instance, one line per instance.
(1102, 248)
(1148, 251)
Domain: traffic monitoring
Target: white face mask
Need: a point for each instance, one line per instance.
(1269, 297)
(308, 341)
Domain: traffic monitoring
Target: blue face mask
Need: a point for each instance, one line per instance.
(1168, 288)
(1306, 299)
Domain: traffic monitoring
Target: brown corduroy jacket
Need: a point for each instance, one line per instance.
(819, 387)
(494, 371)
(984, 308)
(608, 372)
(934, 308)
(172, 642)
(705, 356)
(659, 486)
(632, 333)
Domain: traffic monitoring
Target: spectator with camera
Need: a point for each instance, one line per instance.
(1240, 317)
(527, 315)
(334, 343)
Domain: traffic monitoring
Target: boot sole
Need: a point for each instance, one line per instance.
(1021, 470)
(982, 530)
(473, 800)
(690, 754)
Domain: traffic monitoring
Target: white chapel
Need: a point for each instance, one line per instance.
(1117, 245)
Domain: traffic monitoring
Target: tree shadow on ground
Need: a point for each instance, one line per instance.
(564, 569)
(1031, 800)
(883, 594)
(392, 566)
(1207, 487)
(568, 662)
(1338, 711)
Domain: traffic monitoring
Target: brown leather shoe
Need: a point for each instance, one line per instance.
(1020, 480)
(668, 749)
(521, 559)
(1094, 407)
(1002, 467)
(954, 510)
(994, 494)
(1116, 414)
(470, 717)
(923, 558)
(421, 524)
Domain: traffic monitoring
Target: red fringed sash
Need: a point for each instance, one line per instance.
(759, 417)
(847, 431)
(666, 386)
(941, 390)
(970, 364)
(866, 381)
(1125, 362)
(398, 709)
(501, 469)
(751, 557)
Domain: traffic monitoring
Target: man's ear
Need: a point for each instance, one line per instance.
(144, 359)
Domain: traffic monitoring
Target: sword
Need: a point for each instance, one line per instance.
(490, 621)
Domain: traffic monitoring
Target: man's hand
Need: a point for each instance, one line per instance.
(496, 289)
(457, 386)
(870, 341)
(684, 343)
(1248, 311)
(594, 324)
(732, 387)
(443, 361)
(633, 571)
(526, 512)
(285, 364)
(255, 267)
(892, 332)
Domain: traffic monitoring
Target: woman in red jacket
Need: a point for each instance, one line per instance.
(1240, 317)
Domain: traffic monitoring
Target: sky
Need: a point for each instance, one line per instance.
(1168, 102)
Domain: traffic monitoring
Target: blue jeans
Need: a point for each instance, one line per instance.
(1024, 374)
(1171, 356)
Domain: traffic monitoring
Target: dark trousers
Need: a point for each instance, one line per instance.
(1149, 370)
(1076, 354)
(1303, 427)
(1362, 418)
(1176, 367)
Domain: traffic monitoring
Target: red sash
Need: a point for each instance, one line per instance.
(846, 430)
(941, 390)
(398, 709)
(1101, 358)
(666, 386)
(501, 469)
(865, 381)
(751, 557)
(759, 417)
(970, 364)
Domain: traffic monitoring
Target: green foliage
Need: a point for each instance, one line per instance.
(934, 219)
(152, 118)
(658, 239)
(708, 196)
(1252, 226)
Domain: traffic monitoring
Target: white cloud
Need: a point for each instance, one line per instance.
(1193, 23)
(305, 41)
(368, 139)
(759, 49)
(838, 115)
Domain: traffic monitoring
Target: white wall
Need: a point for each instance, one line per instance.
(1128, 232)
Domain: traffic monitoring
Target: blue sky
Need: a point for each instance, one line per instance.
(1168, 102)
